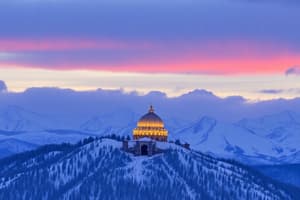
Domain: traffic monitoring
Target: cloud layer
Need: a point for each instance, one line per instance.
(206, 57)
(271, 91)
(62, 103)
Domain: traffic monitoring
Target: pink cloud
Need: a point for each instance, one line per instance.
(209, 57)
(205, 66)
(17, 45)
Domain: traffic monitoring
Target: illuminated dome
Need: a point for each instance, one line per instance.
(150, 125)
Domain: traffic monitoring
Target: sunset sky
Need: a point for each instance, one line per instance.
(230, 47)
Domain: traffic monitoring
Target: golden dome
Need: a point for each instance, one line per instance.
(150, 120)
(150, 125)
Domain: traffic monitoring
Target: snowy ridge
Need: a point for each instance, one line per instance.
(273, 139)
(98, 169)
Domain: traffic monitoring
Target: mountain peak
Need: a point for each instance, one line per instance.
(15, 118)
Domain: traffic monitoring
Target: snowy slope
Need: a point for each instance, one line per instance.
(244, 142)
(282, 128)
(100, 170)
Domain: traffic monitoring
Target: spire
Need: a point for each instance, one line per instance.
(151, 110)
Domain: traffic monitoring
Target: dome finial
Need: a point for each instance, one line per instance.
(151, 110)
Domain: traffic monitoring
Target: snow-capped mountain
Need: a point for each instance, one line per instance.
(23, 130)
(272, 139)
(269, 139)
(98, 169)
(15, 119)
(283, 128)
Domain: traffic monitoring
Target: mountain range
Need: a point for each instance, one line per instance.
(271, 139)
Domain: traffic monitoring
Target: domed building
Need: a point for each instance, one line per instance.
(150, 125)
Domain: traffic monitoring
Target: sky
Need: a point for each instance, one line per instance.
(230, 47)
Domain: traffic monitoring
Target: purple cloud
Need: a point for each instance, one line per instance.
(189, 107)
(271, 91)
(295, 70)
(280, 91)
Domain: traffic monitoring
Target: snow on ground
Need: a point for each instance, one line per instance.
(109, 142)
(137, 168)
(167, 145)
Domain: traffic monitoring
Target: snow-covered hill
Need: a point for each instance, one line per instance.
(98, 169)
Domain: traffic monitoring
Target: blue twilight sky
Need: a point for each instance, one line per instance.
(231, 47)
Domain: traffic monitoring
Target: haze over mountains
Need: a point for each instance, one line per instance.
(260, 132)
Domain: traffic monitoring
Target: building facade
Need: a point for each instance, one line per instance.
(141, 147)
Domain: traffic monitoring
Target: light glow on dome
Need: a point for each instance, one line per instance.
(150, 125)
